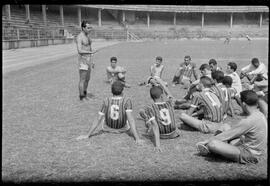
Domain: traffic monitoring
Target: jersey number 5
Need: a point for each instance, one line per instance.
(114, 112)
(165, 116)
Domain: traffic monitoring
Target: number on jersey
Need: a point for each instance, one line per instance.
(165, 116)
(114, 112)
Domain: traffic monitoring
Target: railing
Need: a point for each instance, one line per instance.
(29, 34)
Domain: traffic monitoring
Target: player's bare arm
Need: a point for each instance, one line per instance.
(156, 134)
(96, 123)
(133, 128)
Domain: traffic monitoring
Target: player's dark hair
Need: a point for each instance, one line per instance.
(227, 80)
(212, 61)
(159, 58)
(187, 57)
(249, 97)
(233, 65)
(204, 66)
(113, 59)
(155, 92)
(117, 88)
(206, 81)
(83, 24)
(255, 60)
(218, 76)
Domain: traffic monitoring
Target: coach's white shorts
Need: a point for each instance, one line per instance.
(83, 66)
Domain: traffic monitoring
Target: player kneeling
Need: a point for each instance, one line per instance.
(117, 111)
(248, 139)
(159, 117)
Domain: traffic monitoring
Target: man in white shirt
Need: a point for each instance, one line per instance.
(256, 71)
(231, 71)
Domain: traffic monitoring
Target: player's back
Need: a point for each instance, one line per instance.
(164, 115)
(222, 94)
(213, 110)
(256, 132)
(115, 111)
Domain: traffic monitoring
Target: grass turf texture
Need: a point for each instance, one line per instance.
(42, 116)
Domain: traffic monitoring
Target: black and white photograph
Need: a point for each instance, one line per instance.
(135, 94)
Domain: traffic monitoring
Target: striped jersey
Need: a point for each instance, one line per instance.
(221, 91)
(187, 70)
(114, 109)
(207, 99)
(163, 113)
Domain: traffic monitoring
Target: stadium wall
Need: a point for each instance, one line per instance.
(14, 44)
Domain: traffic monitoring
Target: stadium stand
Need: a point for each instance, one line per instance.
(133, 21)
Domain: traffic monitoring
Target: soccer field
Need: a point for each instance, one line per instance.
(42, 116)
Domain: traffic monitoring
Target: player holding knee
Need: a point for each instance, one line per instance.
(155, 79)
(115, 72)
(250, 133)
(184, 73)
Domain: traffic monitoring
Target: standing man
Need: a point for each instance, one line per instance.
(85, 58)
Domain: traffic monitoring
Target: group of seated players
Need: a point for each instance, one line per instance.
(206, 106)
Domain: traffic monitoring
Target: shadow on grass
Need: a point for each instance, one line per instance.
(214, 158)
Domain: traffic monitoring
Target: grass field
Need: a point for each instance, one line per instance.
(42, 117)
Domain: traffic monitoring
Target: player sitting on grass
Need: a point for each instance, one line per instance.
(256, 73)
(205, 71)
(233, 97)
(231, 71)
(213, 65)
(159, 117)
(245, 141)
(184, 73)
(207, 100)
(155, 77)
(115, 72)
(117, 112)
(222, 93)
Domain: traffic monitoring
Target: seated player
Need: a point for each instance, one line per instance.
(231, 71)
(222, 93)
(184, 73)
(248, 138)
(256, 73)
(159, 117)
(212, 109)
(205, 71)
(115, 72)
(213, 65)
(117, 112)
(233, 97)
(155, 77)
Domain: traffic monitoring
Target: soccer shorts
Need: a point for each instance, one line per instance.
(171, 135)
(106, 128)
(246, 156)
(84, 62)
(207, 126)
